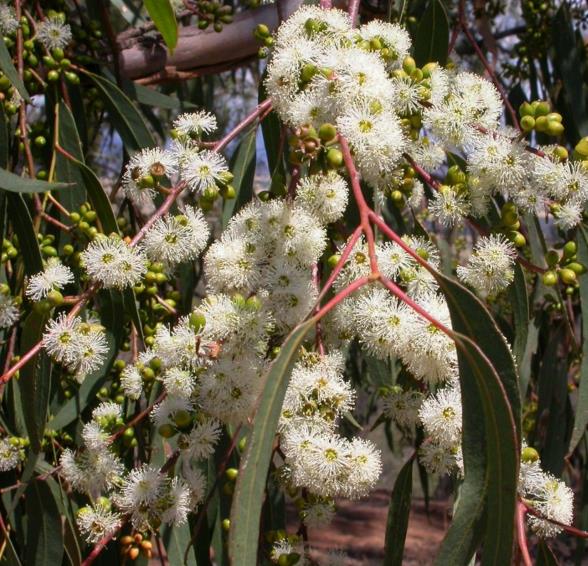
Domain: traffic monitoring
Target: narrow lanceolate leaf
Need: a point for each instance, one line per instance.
(581, 418)
(520, 304)
(65, 170)
(17, 184)
(44, 533)
(432, 37)
(398, 512)
(164, 18)
(10, 71)
(22, 223)
(545, 556)
(490, 450)
(243, 168)
(248, 499)
(491, 425)
(35, 380)
(151, 97)
(124, 115)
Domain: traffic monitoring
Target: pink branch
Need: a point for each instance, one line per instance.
(341, 296)
(521, 535)
(364, 209)
(260, 112)
(353, 11)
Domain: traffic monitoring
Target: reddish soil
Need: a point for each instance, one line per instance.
(359, 530)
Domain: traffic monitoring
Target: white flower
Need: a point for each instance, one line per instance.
(365, 468)
(143, 169)
(204, 170)
(392, 37)
(449, 206)
(179, 501)
(555, 501)
(441, 417)
(94, 437)
(164, 413)
(179, 382)
(10, 455)
(437, 459)
(107, 412)
(324, 195)
(8, 21)
(113, 263)
(53, 33)
(194, 124)
(92, 472)
(9, 311)
(97, 522)
(403, 405)
(131, 382)
(79, 346)
(142, 486)
(203, 438)
(180, 346)
(375, 136)
(55, 276)
(567, 216)
(490, 267)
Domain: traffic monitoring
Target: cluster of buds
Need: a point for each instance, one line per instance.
(307, 144)
(563, 267)
(132, 546)
(581, 152)
(510, 224)
(263, 34)
(538, 116)
(213, 13)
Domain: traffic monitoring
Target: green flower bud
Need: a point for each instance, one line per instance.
(570, 249)
(541, 124)
(333, 260)
(55, 298)
(576, 267)
(581, 148)
(527, 123)
(561, 153)
(549, 278)
(526, 109)
(408, 65)
(334, 158)
(167, 430)
(52, 76)
(327, 132)
(529, 455)
(542, 108)
(226, 524)
(552, 258)
(232, 474)
(554, 128)
(567, 276)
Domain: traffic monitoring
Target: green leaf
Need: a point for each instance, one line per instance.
(432, 37)
(581, 418)
(152, 97)
(4, 139)
(491, 415)
(44, 532)
(23, 226)
(519, 300)
(35, 380)
(164, 18)
(125, 117)
(65, 170)
(248, 498)
(398, 512)
(570, 63)
(98, 197)
(176, 539)
(271, 128)
(242, 166)
(10, 71)
(17, 184)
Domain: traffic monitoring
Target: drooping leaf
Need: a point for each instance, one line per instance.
(152, 97)
(545, 556)
(581, 417)
(45, 534)
(35, 380)
(4, 139)
(432, 37)
(65, 169)
(17, 184)
(176, 539)
(248, 498)
(243, 168)
(164, 18)
(125, 117)
(520, 303)
(398, 512)
(10, 71)
(490, 436)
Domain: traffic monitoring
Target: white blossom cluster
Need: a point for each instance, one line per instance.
(204, 171)
(145, 494)
(317, 458)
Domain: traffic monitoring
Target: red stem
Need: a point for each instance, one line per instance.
(521, 535)
(341, 295)
(261, 110)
